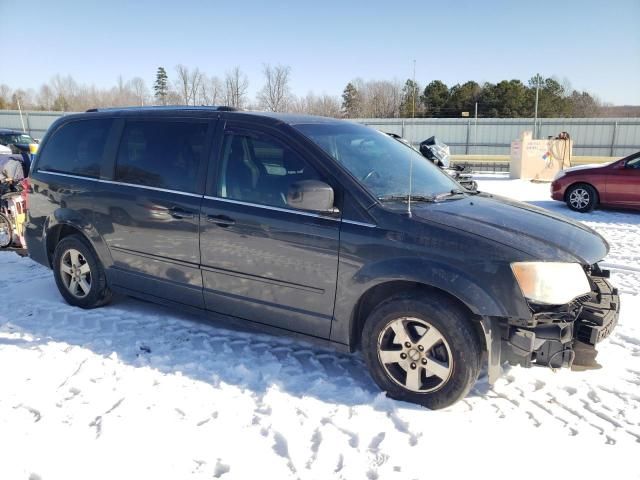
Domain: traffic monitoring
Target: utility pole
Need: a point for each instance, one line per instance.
(535, 112)
(20, 110)
(413, 111)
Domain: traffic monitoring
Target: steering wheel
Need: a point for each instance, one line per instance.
(370, 174)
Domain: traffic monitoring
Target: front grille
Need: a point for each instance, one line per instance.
(561, 313)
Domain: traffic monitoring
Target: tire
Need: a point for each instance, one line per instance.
(75, 260)
(581, 197)
(6, 232)
(455, 356)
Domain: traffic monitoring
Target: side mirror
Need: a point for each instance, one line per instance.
(310, 195)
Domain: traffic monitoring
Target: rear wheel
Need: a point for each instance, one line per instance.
(582, 198)
(422, 349)
(79, 274)
(6, 232)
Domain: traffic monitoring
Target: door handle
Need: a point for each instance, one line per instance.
(220, 220)
(181, 214)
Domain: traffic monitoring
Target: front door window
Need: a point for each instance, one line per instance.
(258, 168)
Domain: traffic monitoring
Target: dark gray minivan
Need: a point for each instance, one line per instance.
(322, 228)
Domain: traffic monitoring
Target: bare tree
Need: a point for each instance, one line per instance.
(173, 98)
(328, 106)
(5, 96)
(236, 85)
(379, 98)
(211, 91)
(65, 90)
(188, 84)
(140, 90)
(194, 84)
(182, 83)
(119, 96)
(18, 99)
(324, 105)
(45, 97)
(120, 86)
(276, 93)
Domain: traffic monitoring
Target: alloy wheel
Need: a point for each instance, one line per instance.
(415, 355)
(579, 198)
(75, 273)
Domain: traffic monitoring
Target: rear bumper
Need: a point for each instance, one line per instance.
(35, 243)
(565, 336)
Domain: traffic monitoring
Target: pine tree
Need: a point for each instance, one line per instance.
(434, 98)
(351, 101)
(160, 87)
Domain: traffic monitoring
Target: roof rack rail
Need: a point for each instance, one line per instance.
(218, 108)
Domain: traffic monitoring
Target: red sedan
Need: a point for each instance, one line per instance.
(612, 184)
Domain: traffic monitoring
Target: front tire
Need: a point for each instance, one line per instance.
(422, 349)
(79, 274)
(6, 232)
(581, 198)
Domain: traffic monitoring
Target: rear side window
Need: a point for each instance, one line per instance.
(76, 148)
(161, 154)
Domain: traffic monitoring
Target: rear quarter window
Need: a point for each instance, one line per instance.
(76, 148)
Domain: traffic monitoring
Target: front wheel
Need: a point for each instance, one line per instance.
(79, 274)
(6, 232)
(582, 198)
(422, 349)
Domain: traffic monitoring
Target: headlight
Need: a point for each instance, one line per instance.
(552, 283)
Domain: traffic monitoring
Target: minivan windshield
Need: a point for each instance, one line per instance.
(381, 163)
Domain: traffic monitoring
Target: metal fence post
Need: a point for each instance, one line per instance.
(466, 150)
(613, 137)
(402, 129)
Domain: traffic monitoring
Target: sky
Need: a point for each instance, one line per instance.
(593, 44)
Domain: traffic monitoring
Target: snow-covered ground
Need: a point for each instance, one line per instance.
(135, 390)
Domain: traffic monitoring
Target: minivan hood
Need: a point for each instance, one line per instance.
(540, 233)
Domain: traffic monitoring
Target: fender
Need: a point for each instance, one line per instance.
(488, 289)
(73, 218)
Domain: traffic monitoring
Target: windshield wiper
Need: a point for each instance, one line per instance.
(451, 193)
(403, 197)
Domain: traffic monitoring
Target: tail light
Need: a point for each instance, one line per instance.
(25, 192)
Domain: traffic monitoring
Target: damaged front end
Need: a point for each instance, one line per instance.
(557, 336)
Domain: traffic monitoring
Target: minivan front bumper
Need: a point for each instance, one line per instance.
(564, 336)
